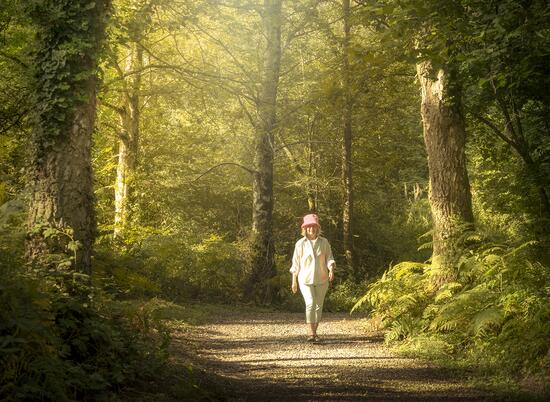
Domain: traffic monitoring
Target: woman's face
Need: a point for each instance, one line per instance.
(312, 231)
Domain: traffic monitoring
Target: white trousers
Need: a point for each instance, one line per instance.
(314, 296)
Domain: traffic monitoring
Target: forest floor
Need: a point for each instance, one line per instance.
(258, 355)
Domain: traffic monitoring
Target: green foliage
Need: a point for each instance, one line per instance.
(68, 40)
(497, 311)
(396, 299)
(62, 340)
(15, 31)
(217, 269)
(343, 295)
(62, 244)
(171, 267)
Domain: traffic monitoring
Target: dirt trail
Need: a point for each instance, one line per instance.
(263, 356)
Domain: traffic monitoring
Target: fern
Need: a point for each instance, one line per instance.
(496, 308)
(425, 246)
(520, 248)
(407, 268)
(446, 291)
(485, 319)
(359, 303)
(404, 303)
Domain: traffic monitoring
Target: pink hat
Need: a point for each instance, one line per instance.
(310, 220)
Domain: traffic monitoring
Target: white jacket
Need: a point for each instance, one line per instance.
(311, 260)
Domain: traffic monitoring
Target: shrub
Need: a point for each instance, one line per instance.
(497, 312)
(71, 342)
(172, 268)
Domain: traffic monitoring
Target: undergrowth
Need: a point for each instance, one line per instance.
(64, 339)
(495, 316)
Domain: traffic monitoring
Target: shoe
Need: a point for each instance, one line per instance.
(316, 339)
(310, 339)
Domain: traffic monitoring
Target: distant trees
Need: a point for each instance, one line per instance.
(193, 86)
(126, 57)
(508, 75)
(347, 141)
(263, 243)
(128, 145)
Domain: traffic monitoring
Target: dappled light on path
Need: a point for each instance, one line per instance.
(264, 356)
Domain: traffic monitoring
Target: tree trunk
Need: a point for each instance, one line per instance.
(445, 137)
(128, 147)
(258, 287)
(312, 185)
(347, 183)
(65, 93)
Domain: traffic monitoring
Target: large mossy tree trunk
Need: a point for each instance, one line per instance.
(69, 36)
(347, 182)
(259, 287)
(128, 144)
(445, 139)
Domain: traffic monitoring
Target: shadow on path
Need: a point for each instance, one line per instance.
(266, 358)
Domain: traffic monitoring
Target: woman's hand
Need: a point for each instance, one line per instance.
(294, 286)
(330, 275)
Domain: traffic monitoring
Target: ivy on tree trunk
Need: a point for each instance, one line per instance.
(69, 35)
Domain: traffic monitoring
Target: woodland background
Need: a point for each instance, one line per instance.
(156, 152)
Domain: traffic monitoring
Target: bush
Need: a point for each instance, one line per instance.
(172, 268)
(60, 343)
(496, 314)
(342, 295)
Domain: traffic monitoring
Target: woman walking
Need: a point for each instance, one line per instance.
(312, 269)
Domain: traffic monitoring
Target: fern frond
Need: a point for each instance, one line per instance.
(425, 246)
(493, 249)
(487, 318)
(406, 300)
(521, 247)
(407, 268)
(442, 295)
(474, 296)
(359, 303)
(426, 235)
(454, 285)
(492, 259)
(472, 237)
(444, 323)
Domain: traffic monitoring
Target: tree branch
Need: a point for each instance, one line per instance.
(251, 171)
(301, 142)
(252, 121)
(117, 109)
(495, 129)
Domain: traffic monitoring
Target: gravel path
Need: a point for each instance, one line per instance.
(263, 356)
